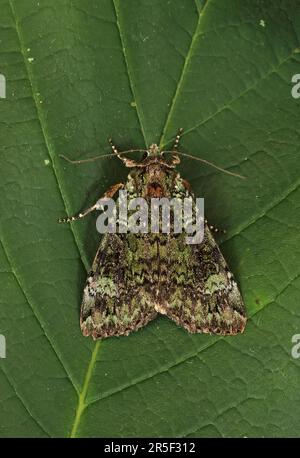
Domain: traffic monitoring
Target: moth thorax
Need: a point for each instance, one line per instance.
(155, 189)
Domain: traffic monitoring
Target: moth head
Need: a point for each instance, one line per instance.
(154, 150)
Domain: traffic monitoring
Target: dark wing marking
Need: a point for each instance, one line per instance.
(196, 288)
(118, 296)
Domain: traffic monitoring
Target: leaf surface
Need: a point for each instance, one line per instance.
(79, 72)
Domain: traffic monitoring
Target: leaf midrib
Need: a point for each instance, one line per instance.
(81, 406)
(187, 61)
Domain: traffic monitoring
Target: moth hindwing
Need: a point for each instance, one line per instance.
(135, 276)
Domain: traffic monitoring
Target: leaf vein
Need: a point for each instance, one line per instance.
(24, 405)
(36, 315)
(242, 94)
(264, 212)
(42, 123)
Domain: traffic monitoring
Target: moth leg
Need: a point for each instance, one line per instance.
(115, 150)
(127, 162)
(212, 228)
(215, 229)
(108, 194)
(187, 185)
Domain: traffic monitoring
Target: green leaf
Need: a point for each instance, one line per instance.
(78, 72)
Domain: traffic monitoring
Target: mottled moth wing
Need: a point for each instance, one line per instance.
(117, 297)
(197, 289)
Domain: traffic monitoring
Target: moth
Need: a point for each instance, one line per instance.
(136, 276)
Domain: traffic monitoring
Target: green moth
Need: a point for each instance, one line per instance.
(136, 276)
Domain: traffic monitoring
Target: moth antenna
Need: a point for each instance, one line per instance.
(177, 139)
(95, 158)
(113, 147)
(83, 161)
(204, 161)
